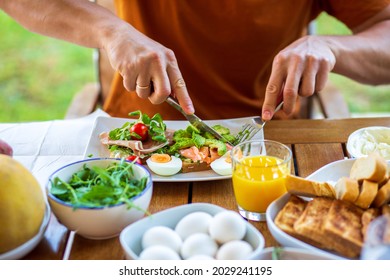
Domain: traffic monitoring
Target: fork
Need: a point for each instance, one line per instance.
(249, 130)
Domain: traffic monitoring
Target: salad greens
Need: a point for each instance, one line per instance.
(191, 136)
(97, 187)
(155, 124)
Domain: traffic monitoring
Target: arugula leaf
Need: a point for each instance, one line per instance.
(97, 186)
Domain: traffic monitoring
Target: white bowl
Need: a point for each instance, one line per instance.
(288, 253)
(328, 173)
(99, 222)
(369, 139)
(130, 238)
(22, 250)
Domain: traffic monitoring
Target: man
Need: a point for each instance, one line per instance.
(236, 57)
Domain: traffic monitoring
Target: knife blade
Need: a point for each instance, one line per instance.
(196, 121)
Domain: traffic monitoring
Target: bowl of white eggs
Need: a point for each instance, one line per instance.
(198, 231)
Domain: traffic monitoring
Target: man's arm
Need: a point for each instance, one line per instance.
(302, 68)
(140, 60)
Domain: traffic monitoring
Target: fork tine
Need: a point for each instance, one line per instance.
(241, 134)
(248, 132)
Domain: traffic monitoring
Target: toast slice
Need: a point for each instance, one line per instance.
(195, 166)
(347, 189)
(383, 196)
(310, 224)
(343, 228)
(386, 233)
(385, 209)
(368, 192)
(372, 168)
(367, 217)
(289, 214)
(304, 187)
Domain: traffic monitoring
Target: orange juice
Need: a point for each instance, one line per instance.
(259, 180)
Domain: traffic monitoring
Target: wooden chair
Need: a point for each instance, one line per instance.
(329, 103)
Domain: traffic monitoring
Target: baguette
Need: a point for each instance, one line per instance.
(368, 192)
(347, 189)
(304, 187)
(383, 196)
(372, 168)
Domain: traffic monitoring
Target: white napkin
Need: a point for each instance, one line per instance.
(45, 146)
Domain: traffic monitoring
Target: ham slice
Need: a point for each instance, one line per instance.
(137, 146)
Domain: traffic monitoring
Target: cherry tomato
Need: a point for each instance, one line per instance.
(134, 158)
(139, 131)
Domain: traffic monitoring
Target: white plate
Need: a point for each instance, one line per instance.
(27, 247)
(328, 173)
(102, 124)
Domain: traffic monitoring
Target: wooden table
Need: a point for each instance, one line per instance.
(314, 143)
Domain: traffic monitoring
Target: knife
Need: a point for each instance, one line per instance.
(196, 121)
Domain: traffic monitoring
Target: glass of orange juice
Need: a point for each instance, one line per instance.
(259, 171)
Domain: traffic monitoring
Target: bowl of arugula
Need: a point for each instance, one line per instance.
(98, 197)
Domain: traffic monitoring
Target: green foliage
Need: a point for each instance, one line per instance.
(39, 75)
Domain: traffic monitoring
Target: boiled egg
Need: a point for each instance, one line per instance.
(164, 165)
(223, 165)
(159, 252)
(162, 235)
(234, 250)
(193, 223)
(198, 244)
(227, 226)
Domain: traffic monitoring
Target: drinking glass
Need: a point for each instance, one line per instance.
(377, 241)
(259, 171)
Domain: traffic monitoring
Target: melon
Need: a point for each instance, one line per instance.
(22, 204)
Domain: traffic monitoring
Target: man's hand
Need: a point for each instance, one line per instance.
(148, 68)
(302, 68)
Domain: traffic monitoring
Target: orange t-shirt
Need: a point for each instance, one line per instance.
(224, 48)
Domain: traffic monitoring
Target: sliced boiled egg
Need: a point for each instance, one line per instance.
(223, 165)
(164, 165)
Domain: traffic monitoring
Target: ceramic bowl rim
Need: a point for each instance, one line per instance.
(67, 204)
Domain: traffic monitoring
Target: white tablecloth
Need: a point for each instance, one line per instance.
(45, 146)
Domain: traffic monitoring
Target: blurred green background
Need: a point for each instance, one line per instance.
(40, 75)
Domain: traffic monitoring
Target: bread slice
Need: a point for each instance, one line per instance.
(386, 233)
(310, 224)
(289, 214)
(367, 217)
(368, 192)
(373, 168)
(195, 166)
(343, 228)
(383, 196)
(304, 187)
(385, 180)
(347, 189)
(385, 209)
